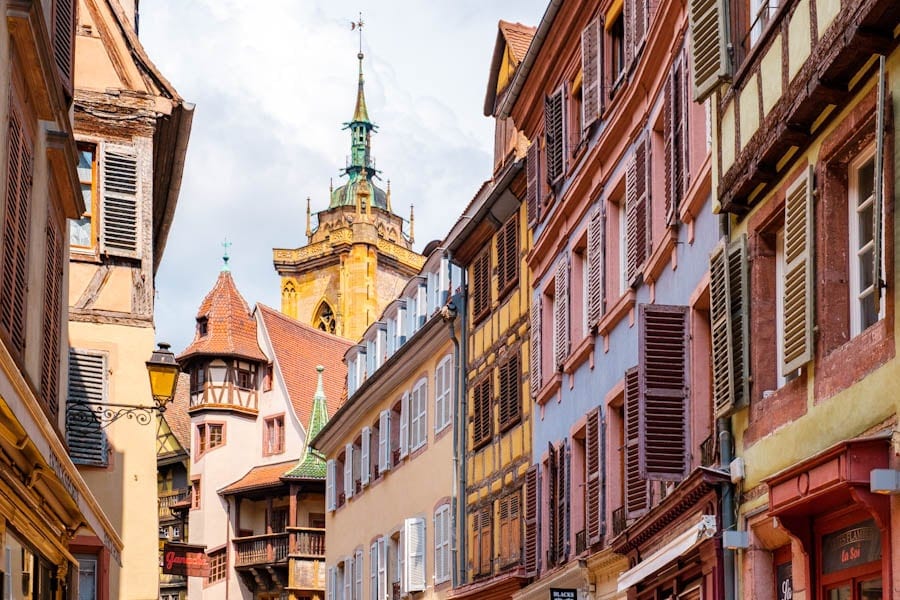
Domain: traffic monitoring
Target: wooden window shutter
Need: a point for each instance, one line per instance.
(482, 424)
(728, 289)
(591, 39)
(486, 539)
(596, 264)
(637, 211)
(504, 527)
(684, 125)
(87, 383)
(535, 347)
(593, 489)
(120, 217)
(663, 380)
(798, 273)
(563, 457)
(382, 569)
(508, 254)
(404, 425)
(481, 284)
(365, 455)
(515, 526)
(710, 62)
(532, 514)
(561, 313)
(384, 441)
(14, 266)
(348, 471)
(330, 478)
(509, 404)
(53, 280)
(636, 488)
(555, 134)
(414, 542)
(628, 22)
(64, 40)
(552, 502)
(533, 180)
(671, 202)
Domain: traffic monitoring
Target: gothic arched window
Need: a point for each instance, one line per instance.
(324, 319)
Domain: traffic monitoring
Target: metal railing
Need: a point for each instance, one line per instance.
(580, 541)
(260, 549)
(709, 452)
(619, 522)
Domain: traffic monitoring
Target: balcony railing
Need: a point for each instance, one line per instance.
(307, 542)
(580, 541)
(167, 499)
(709, 452)
(619, 522)
(261, 549)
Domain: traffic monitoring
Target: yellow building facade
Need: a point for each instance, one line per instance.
(358, 256)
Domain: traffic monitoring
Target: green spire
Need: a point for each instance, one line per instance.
(312, 463)
(361, 114)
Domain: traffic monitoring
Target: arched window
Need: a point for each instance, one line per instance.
(324, 319)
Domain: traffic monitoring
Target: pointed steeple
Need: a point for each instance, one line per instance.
(312, 463)
(360, 113)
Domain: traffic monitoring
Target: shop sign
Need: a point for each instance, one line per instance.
(855, 545)
(185, 560)
(563, 594)
(785, 580)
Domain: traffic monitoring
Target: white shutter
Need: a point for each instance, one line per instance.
(330, 478)
(384, 441)
(414, 534)
(364, 460)
(442, 544)
(382, 571)
(401, 560)
(120, 214)
(401, 324)
(87, 384)
(332, 579)
(348, 471)
(373, 572)
(348, 578)
(404, 425)
(422, 304)
(357, 575)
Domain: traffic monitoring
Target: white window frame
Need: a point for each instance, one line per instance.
(418, 415)
(780, 268)
(443, 393)
(854, 205)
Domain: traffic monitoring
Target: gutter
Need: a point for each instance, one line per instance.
(185, 117)
(521, 74)
(457, 508)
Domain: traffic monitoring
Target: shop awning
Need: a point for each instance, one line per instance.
(678, 546)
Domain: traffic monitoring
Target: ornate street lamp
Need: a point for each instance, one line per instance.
(163, 372)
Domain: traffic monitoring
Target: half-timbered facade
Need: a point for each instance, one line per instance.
(804, 157)
(254, 393)
(617, 204)
(132, 130)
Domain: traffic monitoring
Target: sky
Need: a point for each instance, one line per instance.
(273, 82)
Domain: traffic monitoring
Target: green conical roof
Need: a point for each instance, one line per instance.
(312, 463)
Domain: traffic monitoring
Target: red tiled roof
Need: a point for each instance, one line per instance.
(257, 477)
(230, 329)
(299, 348)
(176, 414)
(518, 38)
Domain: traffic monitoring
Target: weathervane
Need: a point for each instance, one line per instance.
(226, 245)
(358, 25)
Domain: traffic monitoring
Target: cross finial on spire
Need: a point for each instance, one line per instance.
(225, 257)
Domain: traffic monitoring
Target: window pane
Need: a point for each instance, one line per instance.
(80, 232)
(866, 224)
(866, 180)
(866, 262)
(85, 158)
(868, 312)
(86, 195)
(870, 590)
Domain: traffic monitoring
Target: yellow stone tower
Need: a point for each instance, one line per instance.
(358, 257)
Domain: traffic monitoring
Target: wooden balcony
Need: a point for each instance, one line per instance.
(256, 550)
(307, 542)
(167, 499)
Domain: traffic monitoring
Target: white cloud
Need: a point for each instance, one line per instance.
(273, 82)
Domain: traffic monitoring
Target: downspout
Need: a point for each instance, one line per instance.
(723, 427)
(457, 509)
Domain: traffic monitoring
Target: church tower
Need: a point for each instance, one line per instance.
(358, 256)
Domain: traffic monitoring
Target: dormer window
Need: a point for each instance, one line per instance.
(202, 326)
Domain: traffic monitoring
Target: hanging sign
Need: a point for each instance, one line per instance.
(563, 594)
(185, 560)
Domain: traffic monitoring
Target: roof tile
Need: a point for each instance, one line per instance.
(518, 38)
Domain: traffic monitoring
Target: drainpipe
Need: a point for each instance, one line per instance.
(723, 427)
(457, 500)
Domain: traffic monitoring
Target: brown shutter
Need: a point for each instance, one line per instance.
(533, 190)
(13, 286)
(668, 152)
(553, 502)
(505, 534)
(640, 23)
(508, 253)
(684, 129)
(483, 421)
(637, 213)
(709, 46)
(798, 273)
(64, 39)
(555, 133)
(562, 504)
(728, 290)
(481, 285)
(590, 67)
(561, 313)
(509, 392)
(52, 317)
(629, 26)
(485, 535)
(596, 263)
(593, 483)
(515, 517)
(662, 366)
(635, 486)
(531, 521)
(535, 347)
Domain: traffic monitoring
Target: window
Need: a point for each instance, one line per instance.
(675, 133)
(557, 467)
(268, 378)
(510, 402)
(82, 232)
(443, 393)
(555, 136)
(87, 576)
(482, 548)
(195, 493)
(244, 377)
(760, 13)
(16, 218)
(510, 528)
(616, 41)
(86, 393)
(481, 286)
(482, 420)
(198, 379)
(209, 436)
(218, 561)
(418, 425)
(273, 442)
(863, 202)
(120, 192)
(442, 544)
(508, 255)
(202, 326)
